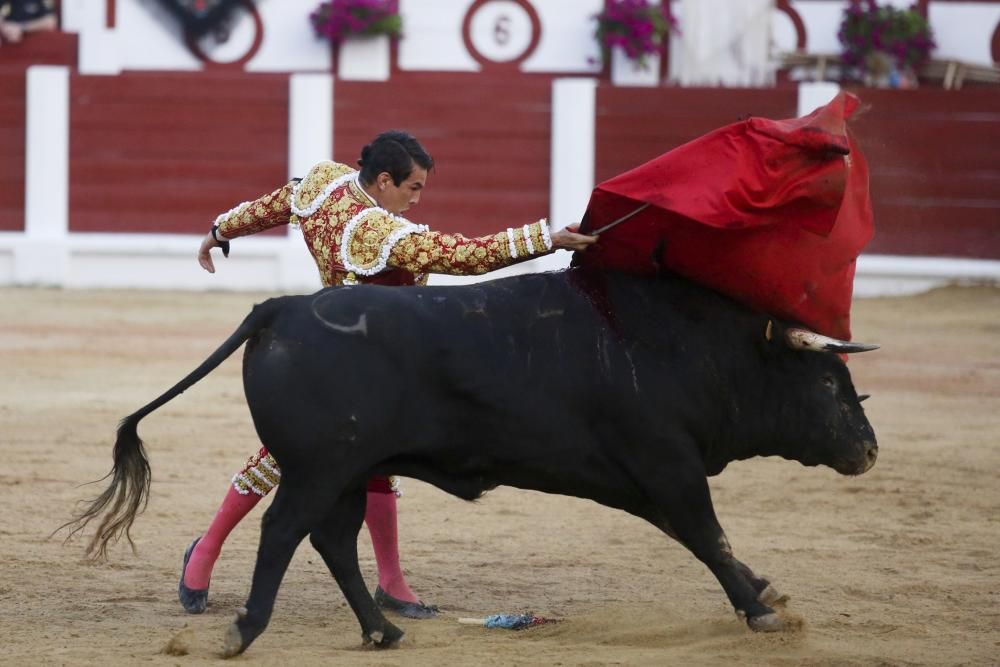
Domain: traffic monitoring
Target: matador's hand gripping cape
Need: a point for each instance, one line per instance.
(771, 213)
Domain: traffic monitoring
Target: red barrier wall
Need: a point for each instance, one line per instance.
(12, 103)
(635, 125)
(53, 48)
(168, 152)
(489, 137)
(40, 48)
(934, 154)
(935, 170)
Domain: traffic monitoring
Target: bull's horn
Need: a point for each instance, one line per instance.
(803, 339)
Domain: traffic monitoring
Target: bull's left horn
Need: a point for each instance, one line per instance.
(803, 339)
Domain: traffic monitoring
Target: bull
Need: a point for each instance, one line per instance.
(623, 390)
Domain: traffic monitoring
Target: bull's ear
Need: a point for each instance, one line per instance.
(774, 332)
(772, 338)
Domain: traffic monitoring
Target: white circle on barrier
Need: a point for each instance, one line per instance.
(501, 30)
(232, 40)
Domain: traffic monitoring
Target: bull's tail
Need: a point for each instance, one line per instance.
(128, 493)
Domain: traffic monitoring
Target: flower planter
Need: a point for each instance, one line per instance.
(884, 46)
(364, 58)
(627, 72)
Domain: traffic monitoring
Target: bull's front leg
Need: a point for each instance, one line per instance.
(684, 505)
(766, 592)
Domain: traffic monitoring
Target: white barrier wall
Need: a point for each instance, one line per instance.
(147, 37)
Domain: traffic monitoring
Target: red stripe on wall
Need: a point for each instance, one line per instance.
(40, 48)
(12, 107)
(168, 152)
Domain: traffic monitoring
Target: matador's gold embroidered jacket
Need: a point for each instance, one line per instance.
(353, 240)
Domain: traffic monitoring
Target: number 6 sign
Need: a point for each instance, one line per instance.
(501, 32)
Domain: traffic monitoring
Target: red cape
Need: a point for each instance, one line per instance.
(771, 213)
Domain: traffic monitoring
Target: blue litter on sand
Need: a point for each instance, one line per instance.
(514, 621)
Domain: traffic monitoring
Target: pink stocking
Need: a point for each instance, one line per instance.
(234, 507)
(380, 517)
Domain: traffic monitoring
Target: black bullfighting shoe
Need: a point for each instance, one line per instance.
(193, 601)
(417, 610)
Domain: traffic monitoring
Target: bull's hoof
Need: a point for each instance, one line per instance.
(387, 637)
(233, 643)
(237, 639)
(767, 623)
(770, 597)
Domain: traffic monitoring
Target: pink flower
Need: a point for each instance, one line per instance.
(338, 19)
(635, 26)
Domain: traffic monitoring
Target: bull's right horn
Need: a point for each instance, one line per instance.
(803, 339)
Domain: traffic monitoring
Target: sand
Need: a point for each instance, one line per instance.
(897, 567)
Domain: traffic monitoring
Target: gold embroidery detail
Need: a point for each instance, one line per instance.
(260, 475)
(366, 242)
(316, 181)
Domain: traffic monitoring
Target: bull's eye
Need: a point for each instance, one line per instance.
(828, 380)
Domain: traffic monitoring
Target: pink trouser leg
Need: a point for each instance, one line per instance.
(250, 485)
(234, 507)
(380, 517)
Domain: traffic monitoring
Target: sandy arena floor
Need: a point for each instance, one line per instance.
(897, 567)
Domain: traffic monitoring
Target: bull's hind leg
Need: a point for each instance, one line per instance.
(336, 539)
(286, 522)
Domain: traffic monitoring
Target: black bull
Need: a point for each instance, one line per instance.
(622, 390)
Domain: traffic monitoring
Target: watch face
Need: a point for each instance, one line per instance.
(200, 16)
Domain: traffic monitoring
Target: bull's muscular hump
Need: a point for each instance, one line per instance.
(627, 391)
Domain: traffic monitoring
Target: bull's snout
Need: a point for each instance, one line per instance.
(864, 459)
(860, 461)
(871, 454)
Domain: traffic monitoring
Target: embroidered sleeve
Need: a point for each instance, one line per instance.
(255, 216)
(435, 252)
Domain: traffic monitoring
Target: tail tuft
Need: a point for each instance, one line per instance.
(124, 499)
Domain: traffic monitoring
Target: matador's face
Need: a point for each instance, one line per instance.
(397, 198)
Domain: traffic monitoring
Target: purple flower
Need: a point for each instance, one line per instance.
(635, 26)
(867, 28)
(338, 19)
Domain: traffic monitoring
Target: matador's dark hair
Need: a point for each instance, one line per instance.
(394, 152)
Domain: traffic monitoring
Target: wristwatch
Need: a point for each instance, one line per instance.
(222, 244)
